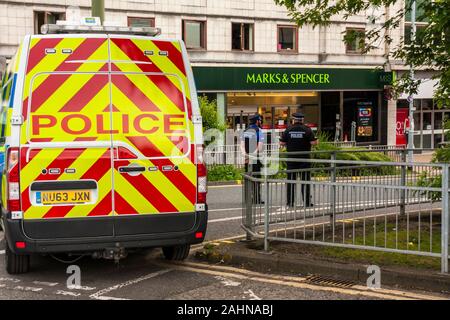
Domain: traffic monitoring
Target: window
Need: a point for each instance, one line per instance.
(141, 22)
(420, 28)
(354, 39)
(287, 38)
(242, 36)
(45, 17)
(421, 21)
(5, 102)
(194, 34)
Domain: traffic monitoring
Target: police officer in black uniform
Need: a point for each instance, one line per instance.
(252, 141)
(297, 138)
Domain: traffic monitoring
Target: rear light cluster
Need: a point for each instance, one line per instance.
(202, 188)
(12, 180)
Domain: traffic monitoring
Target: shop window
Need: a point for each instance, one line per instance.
(141, 22)
(361, 108)
(194, 34)
(417, 125)
(242, 36)
(438, 120)
(45, 17)
(354, 38)
(287, 39)
(427, 104)
(426, 123)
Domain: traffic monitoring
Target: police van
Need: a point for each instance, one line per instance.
(103, 146)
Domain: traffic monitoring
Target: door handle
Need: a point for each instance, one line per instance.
(132, 169)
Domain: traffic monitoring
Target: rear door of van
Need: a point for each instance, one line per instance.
(66, 154)
(154, 169)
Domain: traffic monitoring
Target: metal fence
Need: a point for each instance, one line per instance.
(385, 206)
(232, 154)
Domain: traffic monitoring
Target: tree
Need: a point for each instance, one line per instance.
(208, 110)
(430, 49)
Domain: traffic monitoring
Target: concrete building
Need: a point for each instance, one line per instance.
(249, 56)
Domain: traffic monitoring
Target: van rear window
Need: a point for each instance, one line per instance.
(139, 110)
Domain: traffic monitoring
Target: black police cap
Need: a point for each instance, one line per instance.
(254, 118)
(298, 115)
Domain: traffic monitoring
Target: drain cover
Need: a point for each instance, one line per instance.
(324, 281)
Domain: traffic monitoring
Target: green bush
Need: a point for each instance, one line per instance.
(224, 173)
(208, 110)
(441, 155)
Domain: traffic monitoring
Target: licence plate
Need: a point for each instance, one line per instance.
(63, 197)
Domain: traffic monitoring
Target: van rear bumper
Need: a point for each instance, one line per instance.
(14, 232)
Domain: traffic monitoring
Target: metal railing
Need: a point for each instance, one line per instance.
(232, 154)
(384, 206)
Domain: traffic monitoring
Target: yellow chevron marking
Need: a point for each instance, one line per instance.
(96, 106)
(66, 91)
(131, 195)
(148, 87)
(33, 169)
(17, 58)
(82, 164)
(166, 146)
(123, 103)
(165, 65)
(168, 190)
(36, 212)
(49, 63)
(177, 45)
(104, 187)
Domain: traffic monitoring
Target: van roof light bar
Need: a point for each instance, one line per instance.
(143, 31)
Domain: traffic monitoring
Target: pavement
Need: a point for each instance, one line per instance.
(146, 275)
(251, 256)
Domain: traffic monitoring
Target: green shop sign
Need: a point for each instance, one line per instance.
(248, 79)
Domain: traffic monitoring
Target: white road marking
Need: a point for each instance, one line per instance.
(225, 219)
(297, 282)
(226, 186)
(252, 295)
(81, 288)
(32, 289)
(47, 284)
(110, 298)
(224, 209)
(2, 251)
(10, 280)
(99, 295)
(226, 282)
(68, 293)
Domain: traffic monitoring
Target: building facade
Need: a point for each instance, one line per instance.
(251, 58)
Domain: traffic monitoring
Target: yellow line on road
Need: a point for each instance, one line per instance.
(297, 282)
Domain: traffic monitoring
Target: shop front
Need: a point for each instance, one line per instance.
(344, 103)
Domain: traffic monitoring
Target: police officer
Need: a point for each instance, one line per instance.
(298, 138)
(252, 141)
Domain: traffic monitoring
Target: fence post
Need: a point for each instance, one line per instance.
(444, 219)
(248, 207)
(403, 184)
(248, 186)
(266, 211)
(353, 132)
(333, 190)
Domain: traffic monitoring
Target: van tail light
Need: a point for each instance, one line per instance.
(202, 187)
(12, 180)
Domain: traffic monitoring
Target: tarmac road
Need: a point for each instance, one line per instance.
(145, 275)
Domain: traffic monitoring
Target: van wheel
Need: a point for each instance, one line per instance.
(176, 253)
(16, 263)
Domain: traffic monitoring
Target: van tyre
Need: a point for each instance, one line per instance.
(176, 253)
(16, 263)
